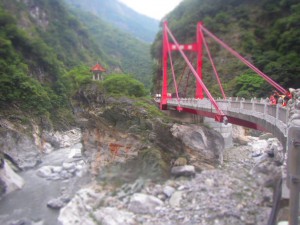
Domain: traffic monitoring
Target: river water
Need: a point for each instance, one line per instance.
(29, 205)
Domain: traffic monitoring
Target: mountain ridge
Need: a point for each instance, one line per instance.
(42, 41)
(117, 13)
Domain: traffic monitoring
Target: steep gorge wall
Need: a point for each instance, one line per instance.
(118, 129)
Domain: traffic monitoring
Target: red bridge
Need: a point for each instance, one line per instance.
(255, 113)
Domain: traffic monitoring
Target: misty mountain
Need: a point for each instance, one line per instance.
(115, 12)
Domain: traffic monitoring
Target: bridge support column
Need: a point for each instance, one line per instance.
(293, 169)
(224, 130)
(164, 91)
(199, 90)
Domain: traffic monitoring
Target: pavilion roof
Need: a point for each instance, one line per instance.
(97, 68)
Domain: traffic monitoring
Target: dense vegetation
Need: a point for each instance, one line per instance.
(127, 54)
(116, 84)
(39, 41)
(16, 87)
(46, 53)
(46, 50)
(122, 84)
(266, 32)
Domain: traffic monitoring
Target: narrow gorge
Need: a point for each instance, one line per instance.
(125, 162)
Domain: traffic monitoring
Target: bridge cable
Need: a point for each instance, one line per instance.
(188, 76)
(174, 78)
(212, 64)
(213, 101)
(182, 74)
(246, 62)
(187, 83)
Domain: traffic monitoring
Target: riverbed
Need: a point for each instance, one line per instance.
(29, 205)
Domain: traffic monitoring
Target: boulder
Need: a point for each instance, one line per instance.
(187, 171)
(267, 169)
(45, 172)
(204, 143)
(80, 208)
(114, 216)
(9, 180)
(168, 191)
(58, 203)
(239, 135)
(144, 204)
(20, 149)
(175, 199)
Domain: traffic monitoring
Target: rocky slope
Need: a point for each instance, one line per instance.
(135, 186)
(130, 137)
(130, 146)
(122, 129)
(229, 194)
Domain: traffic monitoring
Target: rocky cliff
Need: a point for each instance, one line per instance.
(121, 129)
(132, 136)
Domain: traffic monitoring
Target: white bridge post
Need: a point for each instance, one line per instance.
(293, 160)
(294, 173)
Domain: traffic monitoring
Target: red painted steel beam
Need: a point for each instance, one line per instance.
(164, 91)
(245, 123)
(199, 89)
(185, 47)
(231, 119)
(212, 63)
(246, 62)
(221, 115)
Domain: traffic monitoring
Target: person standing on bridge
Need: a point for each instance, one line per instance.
(274, 98)
(288, 95)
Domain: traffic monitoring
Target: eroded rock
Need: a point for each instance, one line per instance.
(10, 181)
(187, 171)
(114, 216)
(144, 204)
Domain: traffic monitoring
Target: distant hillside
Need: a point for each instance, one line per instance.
(266, 32)
(40, 41)
(43, 44)
(125, 53)
(115, 12)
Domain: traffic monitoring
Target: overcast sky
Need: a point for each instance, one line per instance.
(153, 8)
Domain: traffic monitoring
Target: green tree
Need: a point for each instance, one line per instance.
(76, 77)
(250, 85)
(124, 85)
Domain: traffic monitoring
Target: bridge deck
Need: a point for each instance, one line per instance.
(255, 114)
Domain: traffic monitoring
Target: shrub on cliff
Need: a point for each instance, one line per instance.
(124, 85)
(77, 77)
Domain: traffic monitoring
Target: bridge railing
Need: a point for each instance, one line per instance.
(286, 120)
(261, 109)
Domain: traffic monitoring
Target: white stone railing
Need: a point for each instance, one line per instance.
(285, 120)
(276, 115)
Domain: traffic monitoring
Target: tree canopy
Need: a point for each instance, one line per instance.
(122, 84)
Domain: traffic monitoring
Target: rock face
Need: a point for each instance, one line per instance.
(237, 192)
(19, 148)
(270, 163)
(204, 145)
(79, 209)
(9, 180)
(113, 130)
(24, 144)
(239, 135)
